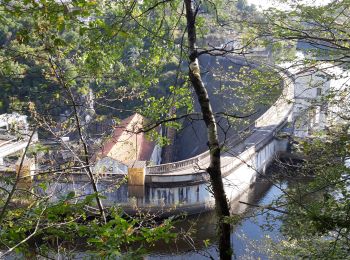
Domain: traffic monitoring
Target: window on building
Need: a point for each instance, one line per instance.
(319, 91)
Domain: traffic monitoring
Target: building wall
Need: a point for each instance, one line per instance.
(321, 98)
(108, 165)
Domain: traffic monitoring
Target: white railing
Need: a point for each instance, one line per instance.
(193, 161)
(174, 166)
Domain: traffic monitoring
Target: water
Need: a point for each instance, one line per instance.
(247, 236)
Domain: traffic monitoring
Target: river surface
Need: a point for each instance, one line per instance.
(200, 241)
(247, 236)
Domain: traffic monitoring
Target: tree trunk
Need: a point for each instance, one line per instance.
(214, 169)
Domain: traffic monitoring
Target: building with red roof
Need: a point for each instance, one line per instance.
(127, 146)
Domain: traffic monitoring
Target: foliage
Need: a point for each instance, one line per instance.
(67, 63)
(87, 46)
(316, 38)
(318, 209)
(68, 222)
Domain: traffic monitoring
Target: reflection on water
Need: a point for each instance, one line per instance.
(244, 234)
(198, 227)
(168, 200)
(118, 193)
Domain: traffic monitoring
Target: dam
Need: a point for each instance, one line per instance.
(183, 186)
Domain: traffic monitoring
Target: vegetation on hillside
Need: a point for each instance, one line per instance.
(72, 64)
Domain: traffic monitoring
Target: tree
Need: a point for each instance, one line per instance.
(316, 223)
(87, 58)
(76, 48)
(214, 169)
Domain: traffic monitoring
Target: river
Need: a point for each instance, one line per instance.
(200, 239)
(247, 235)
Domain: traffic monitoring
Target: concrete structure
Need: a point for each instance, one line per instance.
(183, 186)
(14, 134)
(321, 98)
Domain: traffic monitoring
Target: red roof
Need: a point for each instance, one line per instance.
(127, 144)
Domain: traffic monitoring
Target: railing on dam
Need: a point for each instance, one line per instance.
(271, 121)
(193, 161)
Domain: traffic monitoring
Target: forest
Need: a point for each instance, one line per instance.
(156, 129)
